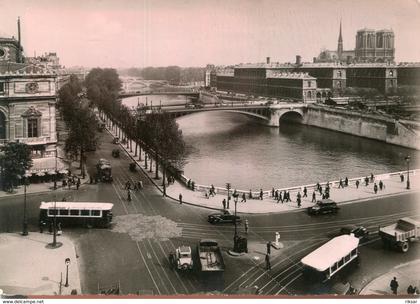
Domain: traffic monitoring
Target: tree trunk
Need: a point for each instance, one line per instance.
(135, 149)
(145, 160)
(131, 146)
(81, 161)
(163, 178)
(157, 166)
(150, 169)
(139, 152)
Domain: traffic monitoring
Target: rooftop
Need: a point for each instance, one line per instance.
(13, 68)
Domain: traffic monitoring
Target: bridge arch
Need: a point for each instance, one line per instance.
(257, 114)
(294, 116)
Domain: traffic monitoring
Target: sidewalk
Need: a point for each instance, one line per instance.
(27, 267)
(349, 194)
(406, 274)
(47, 186)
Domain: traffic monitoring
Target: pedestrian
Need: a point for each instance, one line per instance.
(366, 181)
(268, 247)
(381, 185)
(340, 184)
(313, 197)
(357, 184)
(305, 192)
(298, 202)
(272, 192)
(276, 195)
(127, 185)
(250, 194)
(401, 177)
(129, 194)
(411, 289)
(280, 198)
(261, 194)
(213, 190)
(372, 177)
(243, 198)
(267, 262)
(317, 186)
(320, 190)
(394, 285)
(78, 184)
(246, 226)
(189, 183)
(224, 204)
(180, 199)
(193, 186)
(346, 181)
(375, 188)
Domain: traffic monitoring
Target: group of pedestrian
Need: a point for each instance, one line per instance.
(343, 183)
(70, 181)
(381, 187)
(282, 196)
(170, 179)
(411, 290)
(132, 186)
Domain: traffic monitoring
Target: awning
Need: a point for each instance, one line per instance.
(40, 174)
(63, 171)
(46, 164)
(51, 172)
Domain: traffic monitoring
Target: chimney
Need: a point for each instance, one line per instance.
(268, 60)
(298, 59)
(19, 59)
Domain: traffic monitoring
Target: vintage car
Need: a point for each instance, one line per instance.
(323, 206)
(358, 231)
(181, 259)
(223, 217)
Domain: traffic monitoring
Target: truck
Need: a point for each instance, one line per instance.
(181, 259)
(210, 259)
(400, 234)
(103, 170)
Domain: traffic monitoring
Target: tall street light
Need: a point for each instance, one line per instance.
(235, 237)
(25, 220)
(407, 159)
(228, 194)
(67, 262)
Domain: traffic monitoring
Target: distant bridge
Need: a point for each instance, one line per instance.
(269, 114)
(159, 92)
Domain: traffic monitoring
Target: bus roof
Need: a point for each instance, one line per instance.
(76, 205)
(331, 252)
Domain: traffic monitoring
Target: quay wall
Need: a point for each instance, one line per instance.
(362, 124)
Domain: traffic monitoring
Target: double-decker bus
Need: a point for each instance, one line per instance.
(89, 214)
(330, 258)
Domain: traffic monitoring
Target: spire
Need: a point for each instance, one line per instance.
(340, 44)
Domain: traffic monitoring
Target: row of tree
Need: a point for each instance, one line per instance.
(156, 133)
(172, 74)
(80, 120)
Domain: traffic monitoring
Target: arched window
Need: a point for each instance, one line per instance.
(32, 118)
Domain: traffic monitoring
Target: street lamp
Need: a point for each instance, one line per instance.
(228, 194)
(25, 220)
(407, 159)
(235, 237)
(67, 262)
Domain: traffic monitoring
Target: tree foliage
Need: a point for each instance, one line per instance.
(16, 160)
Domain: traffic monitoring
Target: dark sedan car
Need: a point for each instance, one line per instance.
(324, 206)
(358, 231)
(223, 217)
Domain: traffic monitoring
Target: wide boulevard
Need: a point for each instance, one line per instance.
(150, 227)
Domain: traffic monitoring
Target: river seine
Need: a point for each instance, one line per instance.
(234, 148)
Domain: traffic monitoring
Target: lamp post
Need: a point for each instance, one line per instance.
(54, 243)
(25, 220)
(67, 262)
(235, 237)
(407, 159)
(228, 194)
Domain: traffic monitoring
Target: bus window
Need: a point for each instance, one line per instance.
(334, 267)
(95, 212)
(341, 262)
(347, 258)
(64, 212)
(84, 213)
(74, 212)
(52, 211)
(354, 252)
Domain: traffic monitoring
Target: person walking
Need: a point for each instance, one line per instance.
(261, 194)
(372, 177)
(224, 204)
(298, 197)
(272, 192)
(250, 194)
(246, 225)
(267, 262)
(276, 195)
(180, 199)
(243, 198)
(375, 188)
(279, 197)
(340, 184)
(320, 190)
(305, 192)
(129, 194)
(366, 181)
(313, 197)
(394, 285)
(357, 184)
(381, 185)
(401, 177)
(346, 181)
(269, 248)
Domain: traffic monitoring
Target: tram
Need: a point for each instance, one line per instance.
(88, 214)
(324, 262)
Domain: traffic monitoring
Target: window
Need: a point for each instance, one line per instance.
(1, 87)
(341, 262)
(354, 252)
(391, 73)
(339, 73)
(64, 212)
(74, 212)
(84, 213)
(334, 267)
(339, 84)
(32, 127)
(95, 212)
(52, 211)
(309, 84)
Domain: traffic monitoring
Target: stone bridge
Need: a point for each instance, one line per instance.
(267, 114)
(190, 93)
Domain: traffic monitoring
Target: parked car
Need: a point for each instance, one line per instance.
(116, 140)
(358, 231)
(223, 217)
(324, 206)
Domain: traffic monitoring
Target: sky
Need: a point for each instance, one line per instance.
(126, 33)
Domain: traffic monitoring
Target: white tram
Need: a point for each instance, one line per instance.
(89, 214)
(327, 260)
